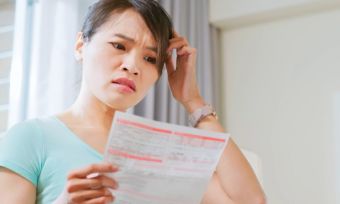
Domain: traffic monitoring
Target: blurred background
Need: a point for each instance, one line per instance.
(271, 68)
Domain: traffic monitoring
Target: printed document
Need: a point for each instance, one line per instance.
(161, 163)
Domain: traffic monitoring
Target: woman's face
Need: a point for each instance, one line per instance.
(119, 62)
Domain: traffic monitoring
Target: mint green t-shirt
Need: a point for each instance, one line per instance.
(44, 151)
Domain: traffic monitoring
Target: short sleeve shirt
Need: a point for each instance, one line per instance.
(44, 151)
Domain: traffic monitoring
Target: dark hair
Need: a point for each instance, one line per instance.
(155, 17)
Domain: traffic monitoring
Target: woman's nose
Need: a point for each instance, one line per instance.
(130, 70)
(130, 64)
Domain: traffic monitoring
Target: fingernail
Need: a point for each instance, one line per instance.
(93, 175)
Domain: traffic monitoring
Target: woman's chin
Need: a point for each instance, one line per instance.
(121, 102)
(120, 105)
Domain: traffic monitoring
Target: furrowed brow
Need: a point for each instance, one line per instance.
(124, 37)
(154, 49)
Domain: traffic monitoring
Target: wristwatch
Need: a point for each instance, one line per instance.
(200, 113)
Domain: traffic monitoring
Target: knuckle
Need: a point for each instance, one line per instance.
(71, 174)
(92, 166)
(102, 200)
(72, 198)
(69, 187)
(103, 192)
(95, 184)
(99, 180)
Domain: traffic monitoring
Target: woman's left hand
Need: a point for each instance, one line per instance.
(182, 77)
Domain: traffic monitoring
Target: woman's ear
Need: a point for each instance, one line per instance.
(78, 49)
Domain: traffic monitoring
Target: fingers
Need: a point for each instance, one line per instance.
(94, 168)
(182, 48)
(104, 199)
(89, 185)
(181, 45)
(94, 183)
(186, 51)
(177, 43)
(88, 195)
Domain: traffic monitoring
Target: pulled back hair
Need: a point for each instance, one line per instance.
(155, 17)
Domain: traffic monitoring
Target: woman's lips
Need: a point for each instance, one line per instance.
(124, 85)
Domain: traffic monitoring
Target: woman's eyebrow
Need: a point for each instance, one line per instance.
(124, 37)
(154, 49)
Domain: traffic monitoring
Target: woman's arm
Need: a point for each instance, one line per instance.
(234, 172)
(215, 193)
(15, 189)
(234, 175)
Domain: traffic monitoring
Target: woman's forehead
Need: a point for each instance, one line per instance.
(130, 24)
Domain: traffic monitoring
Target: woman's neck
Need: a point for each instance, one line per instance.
(89, 112)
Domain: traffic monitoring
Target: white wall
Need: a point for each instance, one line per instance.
(282, 88)
(336, 133)
(232, 8)
(231, 13)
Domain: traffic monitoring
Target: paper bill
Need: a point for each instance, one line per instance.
(161, 163)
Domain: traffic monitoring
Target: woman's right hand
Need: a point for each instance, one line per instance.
(89, 186)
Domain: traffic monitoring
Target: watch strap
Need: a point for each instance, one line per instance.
(200, 113)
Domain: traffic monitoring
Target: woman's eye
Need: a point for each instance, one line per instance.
(152, 60)
(118, 46)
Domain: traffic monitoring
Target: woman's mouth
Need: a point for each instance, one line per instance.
(124, 85)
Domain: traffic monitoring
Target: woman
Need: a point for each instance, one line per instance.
(122, 47)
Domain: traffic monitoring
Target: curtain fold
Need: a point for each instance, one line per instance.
(44, 74)
(45, 78)
(19, 72)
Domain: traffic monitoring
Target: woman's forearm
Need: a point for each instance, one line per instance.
(233, 171)
(215, 193)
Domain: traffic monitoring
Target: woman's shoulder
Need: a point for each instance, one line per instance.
(22, 149)
(29, 128)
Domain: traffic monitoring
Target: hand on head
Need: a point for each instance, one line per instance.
(182, 76)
